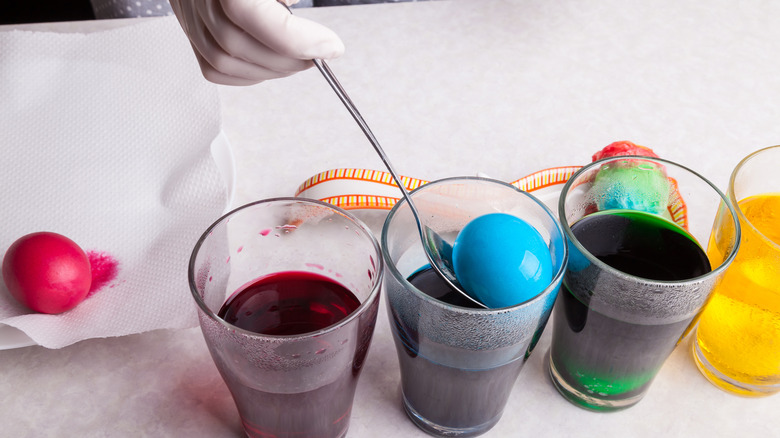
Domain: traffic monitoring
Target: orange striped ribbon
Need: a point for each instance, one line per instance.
(530, 183)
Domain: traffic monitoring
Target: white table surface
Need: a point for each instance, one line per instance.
(504, 87)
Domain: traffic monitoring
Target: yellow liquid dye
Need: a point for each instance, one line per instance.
(739, 330)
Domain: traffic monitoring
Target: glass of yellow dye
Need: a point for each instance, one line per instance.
(737, 344)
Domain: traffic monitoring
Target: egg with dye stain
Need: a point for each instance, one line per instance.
(501, 260)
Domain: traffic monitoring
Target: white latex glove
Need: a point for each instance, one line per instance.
(243, 42)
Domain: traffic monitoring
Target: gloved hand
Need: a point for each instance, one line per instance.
(243, 42)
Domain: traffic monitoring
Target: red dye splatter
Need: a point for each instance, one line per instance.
(104, 270)
(265, 232)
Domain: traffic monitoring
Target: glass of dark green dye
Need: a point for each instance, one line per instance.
(637, 275)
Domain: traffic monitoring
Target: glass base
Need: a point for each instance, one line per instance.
(438, 430)
(588, 401)
(252, 432)
(727, 383)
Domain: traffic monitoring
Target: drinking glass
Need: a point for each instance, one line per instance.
(459, 364)
(637, 277)
(295, 385)
(736, 345)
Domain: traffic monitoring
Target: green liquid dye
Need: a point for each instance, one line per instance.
(606, 357)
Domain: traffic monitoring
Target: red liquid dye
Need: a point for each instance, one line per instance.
(290, 303)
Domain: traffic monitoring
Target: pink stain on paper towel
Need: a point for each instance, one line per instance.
(104, 270)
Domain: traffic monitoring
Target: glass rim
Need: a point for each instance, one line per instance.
(605, 267)
(364, 304)
(735, 201)
(474, 310)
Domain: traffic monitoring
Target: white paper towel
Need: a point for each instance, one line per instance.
(106, 139)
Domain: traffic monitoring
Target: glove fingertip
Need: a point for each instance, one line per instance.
(329, 49)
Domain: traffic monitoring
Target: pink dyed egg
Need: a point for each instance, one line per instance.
(47, 272)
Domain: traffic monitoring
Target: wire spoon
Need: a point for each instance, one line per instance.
(437, 250)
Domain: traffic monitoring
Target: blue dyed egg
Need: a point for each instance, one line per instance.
(501, 260)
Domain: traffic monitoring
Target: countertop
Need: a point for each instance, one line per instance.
(456, 87)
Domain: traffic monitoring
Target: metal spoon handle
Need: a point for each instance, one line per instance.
(431, 241)
(322, 66)
(334, 83)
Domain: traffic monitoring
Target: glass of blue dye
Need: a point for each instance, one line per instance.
(459, 363)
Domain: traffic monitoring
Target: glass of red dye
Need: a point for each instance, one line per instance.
(287, 292)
